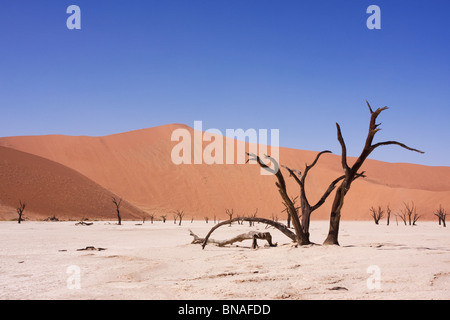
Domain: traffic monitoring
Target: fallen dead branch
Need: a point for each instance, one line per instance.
(281, 227)
(82, 223)
(251, 235)
(91, 248)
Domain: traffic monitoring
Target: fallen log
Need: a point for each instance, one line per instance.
(91, 248)
(82, 223)
(252, 235)
(283, 228)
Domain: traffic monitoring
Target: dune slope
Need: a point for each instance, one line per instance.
(51, 189)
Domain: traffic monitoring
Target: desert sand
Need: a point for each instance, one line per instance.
(137, 166)
(157, 261)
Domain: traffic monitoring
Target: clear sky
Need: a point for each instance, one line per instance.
(298, 66)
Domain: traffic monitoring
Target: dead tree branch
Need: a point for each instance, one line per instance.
(251, 235)
(281, 227)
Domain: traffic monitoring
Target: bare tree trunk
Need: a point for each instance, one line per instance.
(335, 216)
(388, 212)
(230, 214)
(441, 214)
(117, 204)
(351, 173)
(20, 210)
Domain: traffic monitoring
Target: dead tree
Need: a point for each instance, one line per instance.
(20, 210)
(252, 215)
(229, 214)
(206, 219)
(351, 172)
(275, 217)
(281, 227)
(286, 208)
(117, 204)
(376, 214)
(441, 214)
(152, 217)
(179, 215)
(388, 213)
(410, 211)
(402, 215)
(416, 217)
(164, 217)
(302, 239)
(306, 209)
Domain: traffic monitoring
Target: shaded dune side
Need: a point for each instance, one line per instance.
(51, 189)
(138, 166)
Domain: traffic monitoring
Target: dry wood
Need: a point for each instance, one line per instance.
(441, 214)
(351, 173)
(284, 229)
(82, 223)
(251, 235)
(117, 203)
(376, 214)
(20, 210)
(301, 237)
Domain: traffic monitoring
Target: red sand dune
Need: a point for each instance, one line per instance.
(51, 189)
(137, 166)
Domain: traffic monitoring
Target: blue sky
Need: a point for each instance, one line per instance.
(297, 66)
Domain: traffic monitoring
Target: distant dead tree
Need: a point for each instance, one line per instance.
(152, 217)
(180, 215)
(252, 215)
(351, 172)
(388, 213)
(402, 215)
(117, 203)
(192, 219)
(376, 214)
(410, 211)
(409, 214)
(20, 210)
(175, 218)
(416, 217)
(294, 200)
(206, 219)
(441, 214)
(164, 217)
(229, 214)
(274, 217)
(215, 219)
